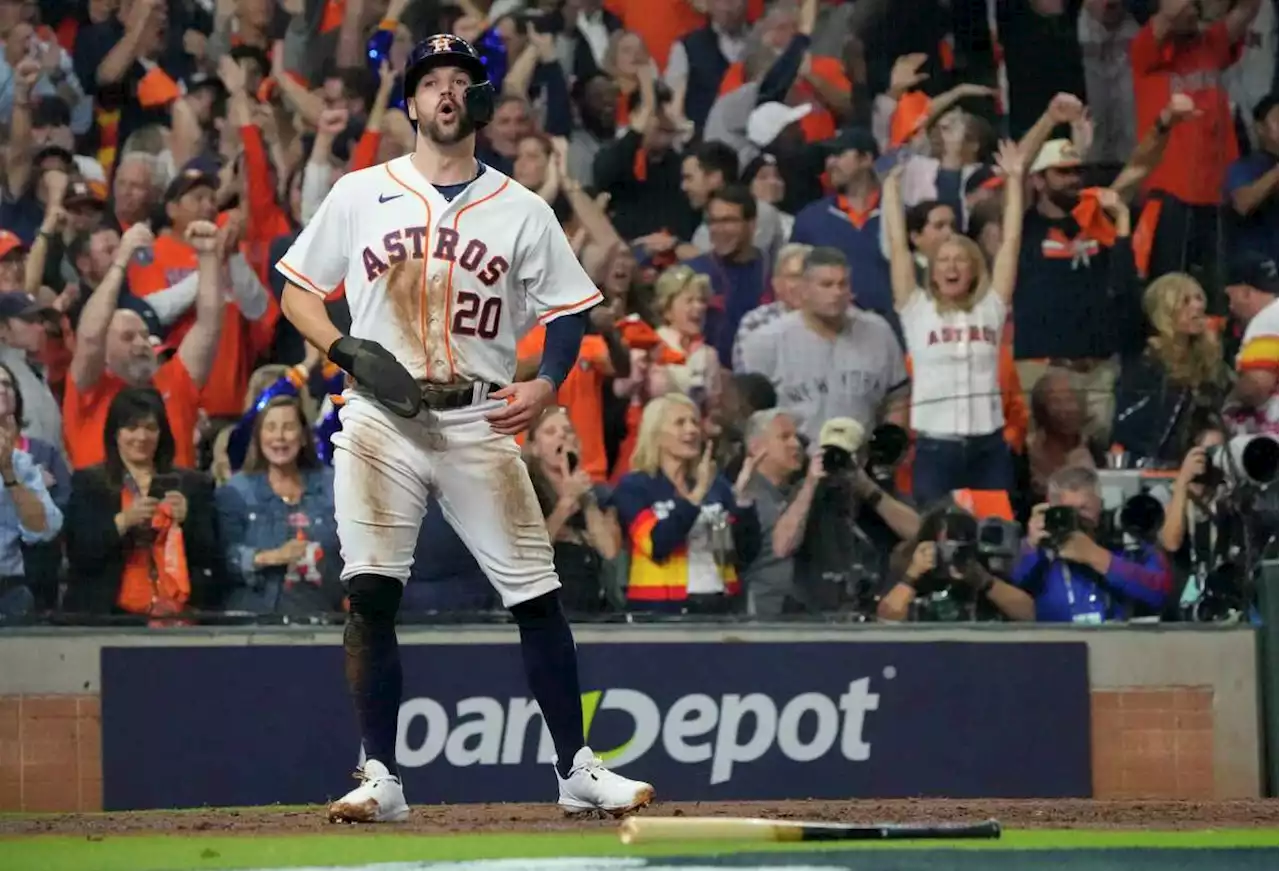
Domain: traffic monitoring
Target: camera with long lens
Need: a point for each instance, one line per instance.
(836, 460)
(1137, 521)
(1248, 460)
(999, 544)
(840, 440)
(942, 596)
(886, 447)
(1060, 521)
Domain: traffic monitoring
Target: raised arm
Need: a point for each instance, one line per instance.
(200, 344)
(1004, 272)
(551, 182)
(306, 104)
(18, 154)
(1149, 152)
(1240, 17)
(589, 211)
(125, 52)
(516, 82)
(902, 268)
(1062, 109)
(55, 218)
(944, 102)
(90, 355)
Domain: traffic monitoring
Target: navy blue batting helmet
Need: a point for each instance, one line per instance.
(445, 49)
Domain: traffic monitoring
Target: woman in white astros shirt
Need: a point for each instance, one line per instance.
(953, 329)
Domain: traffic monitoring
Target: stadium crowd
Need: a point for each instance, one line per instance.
(895, 291)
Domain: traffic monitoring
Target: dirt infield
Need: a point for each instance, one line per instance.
(1059, 814)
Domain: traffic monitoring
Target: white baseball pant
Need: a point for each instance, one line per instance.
(386, 467)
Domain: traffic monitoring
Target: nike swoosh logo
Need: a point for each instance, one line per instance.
(404, 408)
(383, 198)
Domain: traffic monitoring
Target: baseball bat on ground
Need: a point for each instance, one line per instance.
(650, 830)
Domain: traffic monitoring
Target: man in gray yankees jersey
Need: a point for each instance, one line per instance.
(828, 359)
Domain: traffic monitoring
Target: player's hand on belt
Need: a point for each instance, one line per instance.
(525, 401)
(374, 369)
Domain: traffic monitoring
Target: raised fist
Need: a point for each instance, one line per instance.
(1065, 108)
(332, 121)
(202, 236)
(1179, 108)
(26, 74)
(231, 233)
(231, 74)
(136, 237)
(55, 185)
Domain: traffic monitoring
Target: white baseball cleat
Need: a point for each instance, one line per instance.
(378, 799)
(592, 787)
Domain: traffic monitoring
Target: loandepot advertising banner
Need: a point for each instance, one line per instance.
(191, 726)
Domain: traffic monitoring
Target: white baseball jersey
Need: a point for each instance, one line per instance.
(1258, 352)
(955, 365)
(447, 287)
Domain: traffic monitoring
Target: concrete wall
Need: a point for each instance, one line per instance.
(1175, 709)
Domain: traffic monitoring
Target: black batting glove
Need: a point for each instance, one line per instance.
(375, 369)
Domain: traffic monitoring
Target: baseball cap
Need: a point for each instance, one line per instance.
(198, 80)
(841, 432)
(82, 193)
(58, 151)
(1253, 269)
(759, 162)
(768, 120)
(18, 304)
(1056, 154)
(852, 139)
(9, 243)
(155, 328)
(191, 177)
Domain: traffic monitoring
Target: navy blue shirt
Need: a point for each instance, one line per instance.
(737, 288)
(1076, 298)
(22, 216)
(1258, 231)
(1068, 592)
(824, 223)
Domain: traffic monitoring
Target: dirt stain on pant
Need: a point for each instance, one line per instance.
(404, 293)
(522, 518)
(375, 496)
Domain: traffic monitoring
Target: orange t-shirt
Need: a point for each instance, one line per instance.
(582, 395)
(172, 260)
(1200, 148)
(819, 124)
(661, 22)
(84, 415)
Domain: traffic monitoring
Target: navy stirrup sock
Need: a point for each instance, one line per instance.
(373, 668)
(551, 667)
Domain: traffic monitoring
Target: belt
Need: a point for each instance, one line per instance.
(462, 394)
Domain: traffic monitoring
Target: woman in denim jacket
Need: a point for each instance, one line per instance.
(277, 523)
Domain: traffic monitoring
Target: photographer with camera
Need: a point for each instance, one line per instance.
(1211, 527)
(1073, 578)
(852, 525)
(938, 575)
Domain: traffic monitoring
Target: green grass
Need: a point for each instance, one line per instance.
(187, 853)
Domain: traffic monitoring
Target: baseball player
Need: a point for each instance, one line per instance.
(445, 262)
